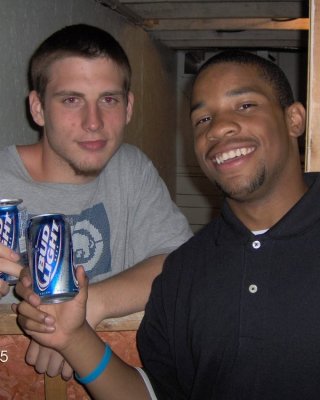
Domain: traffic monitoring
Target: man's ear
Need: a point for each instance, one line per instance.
(36, 108)
(296, 119)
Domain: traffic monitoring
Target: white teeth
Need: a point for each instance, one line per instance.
(232, 153)
(229, 155)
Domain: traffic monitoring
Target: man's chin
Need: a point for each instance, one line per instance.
(88, 174)
(87, 171)
(243, 191)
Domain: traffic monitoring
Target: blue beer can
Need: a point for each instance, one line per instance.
(50, 253)
(13, 222)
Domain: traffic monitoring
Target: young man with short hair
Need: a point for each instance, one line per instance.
(123, 220)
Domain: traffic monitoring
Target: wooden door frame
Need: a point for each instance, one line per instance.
(312, 151)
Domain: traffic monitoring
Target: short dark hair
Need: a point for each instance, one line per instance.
(271, 72)
(76, 40)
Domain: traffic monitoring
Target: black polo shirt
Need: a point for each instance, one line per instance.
(237, 316)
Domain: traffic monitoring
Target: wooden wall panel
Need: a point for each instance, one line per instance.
(312, 157)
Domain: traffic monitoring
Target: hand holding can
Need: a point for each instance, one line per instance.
(13, 221)
(50, 253)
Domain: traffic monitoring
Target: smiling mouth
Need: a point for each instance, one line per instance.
(221, 158)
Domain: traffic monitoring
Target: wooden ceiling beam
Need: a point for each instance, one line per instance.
(226, 24)
(232, 42)
(231, 9)
(247, 35)
(204, 1)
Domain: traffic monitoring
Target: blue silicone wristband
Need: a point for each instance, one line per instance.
(99, 369)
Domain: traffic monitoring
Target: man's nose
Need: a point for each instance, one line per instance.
(221, 127)
(92, 119)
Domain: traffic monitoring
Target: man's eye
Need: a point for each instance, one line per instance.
(70, 100)
(110, 100)
(202, 121)
(246, 106)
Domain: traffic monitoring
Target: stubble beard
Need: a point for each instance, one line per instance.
(85, 170)
(240, 191)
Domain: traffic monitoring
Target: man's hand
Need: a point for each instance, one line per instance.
(53, 325)
(48, 361)
(4, 288)
(9, 265)
(24, 288)
(43, 359)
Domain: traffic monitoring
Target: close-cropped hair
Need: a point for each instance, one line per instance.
(269, 71)
(79, 40)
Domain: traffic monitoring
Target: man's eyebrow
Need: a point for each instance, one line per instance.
(196, 106)
(113, 93)
(242, 90)
(68, 93)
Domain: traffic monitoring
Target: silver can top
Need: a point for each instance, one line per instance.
(10, 202)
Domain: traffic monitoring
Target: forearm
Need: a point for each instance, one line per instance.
(124, 293)
(118, 381)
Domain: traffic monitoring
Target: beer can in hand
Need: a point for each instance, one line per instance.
(13, 222)
(50, 253)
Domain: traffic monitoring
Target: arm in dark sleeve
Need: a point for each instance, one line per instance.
(156, 343)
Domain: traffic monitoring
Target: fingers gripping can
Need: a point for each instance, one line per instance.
(13, 221)
(50, 253)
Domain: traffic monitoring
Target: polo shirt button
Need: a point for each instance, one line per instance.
(253, 288)
(256, 244)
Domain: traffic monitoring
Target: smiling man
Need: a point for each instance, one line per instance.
(241, 138)
(235, 312)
